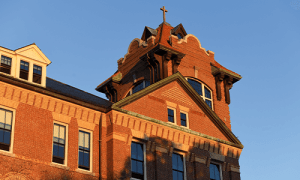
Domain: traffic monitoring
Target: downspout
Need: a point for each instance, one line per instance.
(100, 142)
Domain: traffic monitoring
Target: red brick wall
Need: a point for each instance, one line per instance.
(154, 105)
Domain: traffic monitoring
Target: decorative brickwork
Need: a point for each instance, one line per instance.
(99, 134)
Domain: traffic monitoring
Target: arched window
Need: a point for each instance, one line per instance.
(138, 87)
(202, 90)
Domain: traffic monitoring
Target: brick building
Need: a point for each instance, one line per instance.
(167, 116)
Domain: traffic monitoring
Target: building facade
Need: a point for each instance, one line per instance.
(167, 116)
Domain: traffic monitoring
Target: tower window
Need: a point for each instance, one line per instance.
(5, 65)
(37, 74)
(24, 68)
(139, 86)
(179, 36)
(183, 119)
(171, 115)
(200, 88)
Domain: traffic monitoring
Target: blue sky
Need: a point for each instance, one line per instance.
(258, 39)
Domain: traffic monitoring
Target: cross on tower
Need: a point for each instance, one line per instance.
(164, 10)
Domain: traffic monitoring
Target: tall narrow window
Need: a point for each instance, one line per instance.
(170, 115)
(24, 68)
(137, 160)
(183, 119)
(59, 141)
(214, 172)
(84, 150)
(177, 166)
(37, 74)
(5, 65)
(5, 129)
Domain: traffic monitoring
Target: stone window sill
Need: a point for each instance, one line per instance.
(7, 153)
(85, 172)
(61, 166)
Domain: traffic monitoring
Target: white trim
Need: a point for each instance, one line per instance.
(203, 85)
(145, 154)
(66, 143)
(91, 150)
(183, 154)
(12, 135)
(175, 119)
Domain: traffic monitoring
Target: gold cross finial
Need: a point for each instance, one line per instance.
(164, 10)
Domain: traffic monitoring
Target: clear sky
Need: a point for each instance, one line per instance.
(258, 39)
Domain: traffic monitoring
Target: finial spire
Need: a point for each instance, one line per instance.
(164, 12)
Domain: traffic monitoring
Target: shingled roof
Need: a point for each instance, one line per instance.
(75, 93)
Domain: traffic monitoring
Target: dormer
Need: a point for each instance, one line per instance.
(27, 63)
(148, 32)
(179, 31)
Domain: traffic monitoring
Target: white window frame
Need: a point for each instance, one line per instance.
(11, 146)
(66, 144)
(175, 119)
(220, 168)
(203, 91)
(184, 163)
(91, 151)
(187, 119)
(145, 153)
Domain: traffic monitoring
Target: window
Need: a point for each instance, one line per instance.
(179, 36)
(200, 88)
(171, 117)
(59, 141)
(139, 87)
(177, 166)
(5, 65)
(37, 74)
(183, 119)
(214, 171)
(137, 161)
(5, 129)
(84, 150)
(24, 68)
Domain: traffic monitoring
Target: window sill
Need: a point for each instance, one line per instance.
(185, 127)
(85, 172)
(171, 122)
(7, 153)
(61, 166)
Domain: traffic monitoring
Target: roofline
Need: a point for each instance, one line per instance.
(175, 127)
(25, 46)
(198, 100)
(52, 93)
